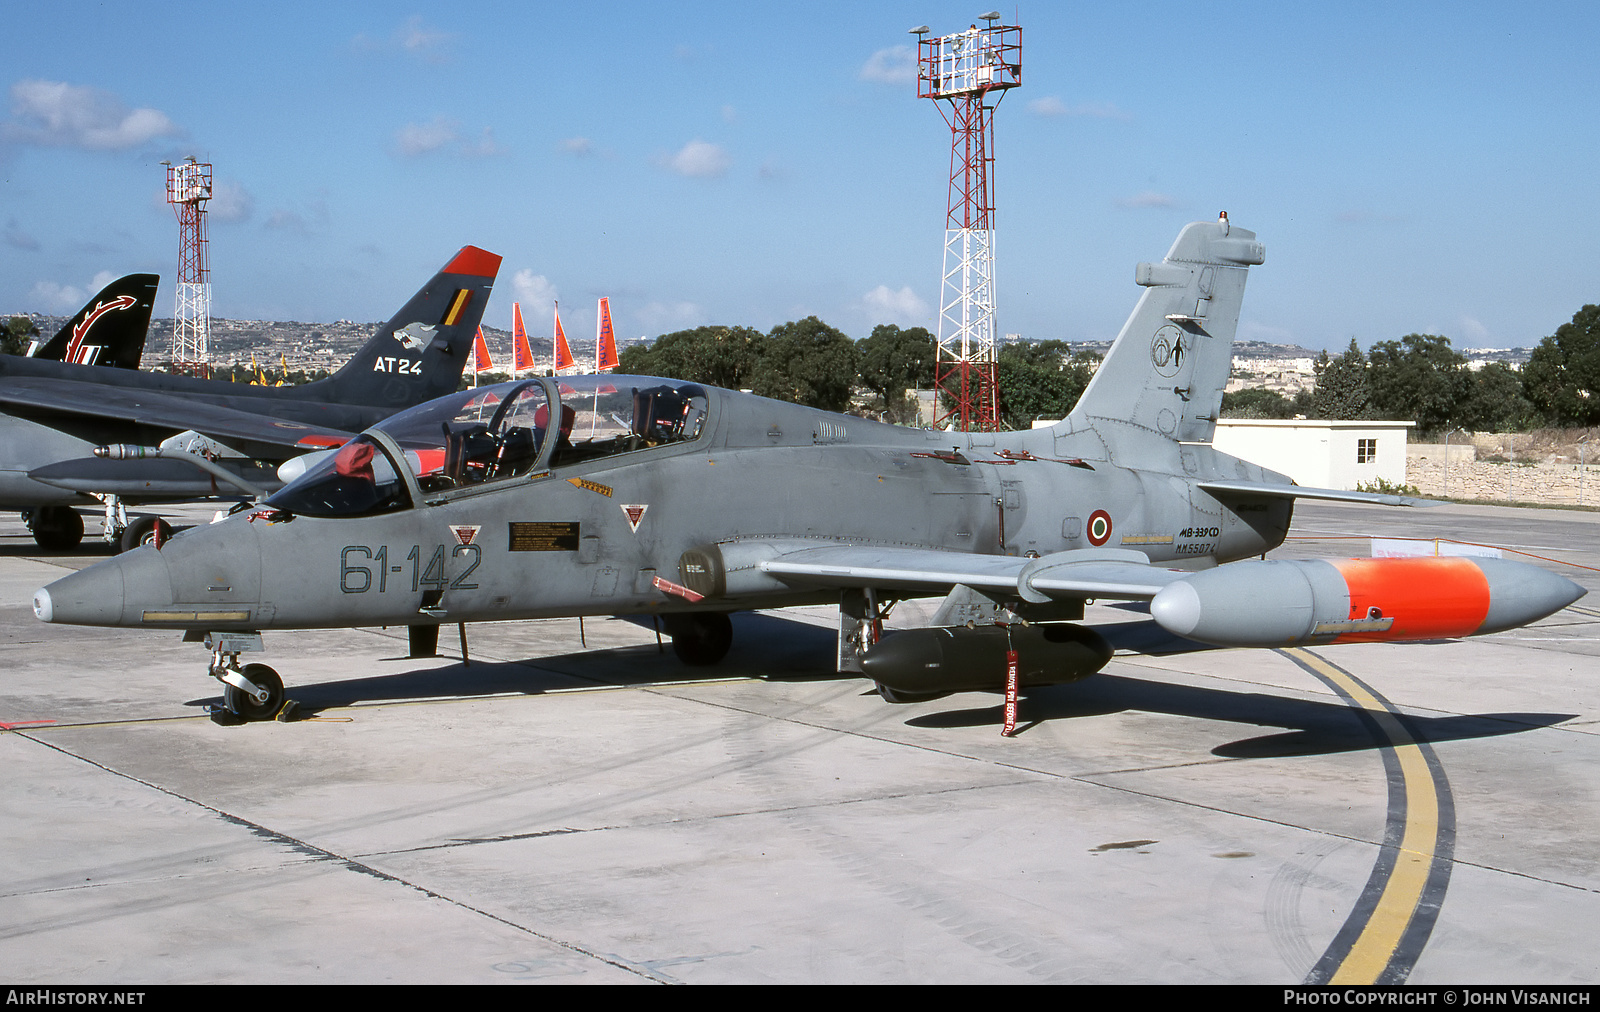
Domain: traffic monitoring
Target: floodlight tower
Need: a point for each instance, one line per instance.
(967, 74)
(188, 189)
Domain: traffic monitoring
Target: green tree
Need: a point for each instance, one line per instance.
(1256, 402)
(1562, 377)
(1041, 380)
(720, 356)
(894, 361)
(1495, 402)
(1341, 392)
(807, 362)
(16, 334)
(1419, 378)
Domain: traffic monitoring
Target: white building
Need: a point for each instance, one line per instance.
(1319, 453)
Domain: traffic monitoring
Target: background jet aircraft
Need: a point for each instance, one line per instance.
(110, 329)
(57, 413)
(630, 495)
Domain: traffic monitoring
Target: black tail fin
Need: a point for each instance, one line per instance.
(110, 329)
(419, 354)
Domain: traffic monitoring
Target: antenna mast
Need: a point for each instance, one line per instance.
(188, 189)
(967, 74)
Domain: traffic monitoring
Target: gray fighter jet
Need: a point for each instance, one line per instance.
(56, 414)
(613, 495)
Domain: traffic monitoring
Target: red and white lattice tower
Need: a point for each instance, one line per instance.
(188, 189)
(967, 74)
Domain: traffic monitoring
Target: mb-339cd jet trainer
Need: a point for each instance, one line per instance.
(626, 495)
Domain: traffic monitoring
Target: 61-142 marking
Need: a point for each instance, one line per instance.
(357, 579)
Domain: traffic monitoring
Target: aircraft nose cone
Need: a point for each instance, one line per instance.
(1520, 593)
(101, 594)
(43, 607)
(1176, 608)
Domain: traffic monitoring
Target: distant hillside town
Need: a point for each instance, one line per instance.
(307, 347)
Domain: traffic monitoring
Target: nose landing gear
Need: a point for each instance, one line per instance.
(251, 692)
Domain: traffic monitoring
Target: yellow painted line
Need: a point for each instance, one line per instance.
(1402, 893)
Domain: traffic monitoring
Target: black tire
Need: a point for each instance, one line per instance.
(701, 639)
(57, 528)
(244, 705)
(423, 640)
(152, 531)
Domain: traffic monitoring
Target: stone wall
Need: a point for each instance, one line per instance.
(1527, 477)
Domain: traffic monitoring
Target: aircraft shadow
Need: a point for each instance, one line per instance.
(775, 648)
(1314, 727)
(765, 646)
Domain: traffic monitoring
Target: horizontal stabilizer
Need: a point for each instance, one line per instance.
(1246, 489)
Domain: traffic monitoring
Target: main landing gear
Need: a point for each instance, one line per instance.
(56, 528)
(251, 692)
(700, 638)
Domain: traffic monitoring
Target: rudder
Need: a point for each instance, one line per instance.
(110, 329)
(420, 354)
(1167, 368)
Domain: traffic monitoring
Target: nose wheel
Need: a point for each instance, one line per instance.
(247, 704)
(251, 692)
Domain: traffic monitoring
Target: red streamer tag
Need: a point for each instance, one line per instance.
(1011, 694)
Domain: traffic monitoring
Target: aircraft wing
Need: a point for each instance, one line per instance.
(248, 431)
(1229, 489)
(1099, 573)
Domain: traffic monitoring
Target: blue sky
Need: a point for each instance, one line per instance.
(1423, 167)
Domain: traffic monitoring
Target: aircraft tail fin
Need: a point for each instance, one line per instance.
(1167, 368)
(420, 354)
(110, 329)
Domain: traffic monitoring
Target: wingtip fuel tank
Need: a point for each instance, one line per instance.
(1285, 603)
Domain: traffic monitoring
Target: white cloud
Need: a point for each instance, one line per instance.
(48, 295)
(415, 139)
(56, 114)
(304, 225)
(903, 307)
(101, 279)
(419, 40)
(1149, 198)
(536, 293)
(414, 39)
(665, 317)
(231, 202)
(578, 146)
(1473, 333)
(1052, 106)
(699, 159)
(894, 65)
(730, 114)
